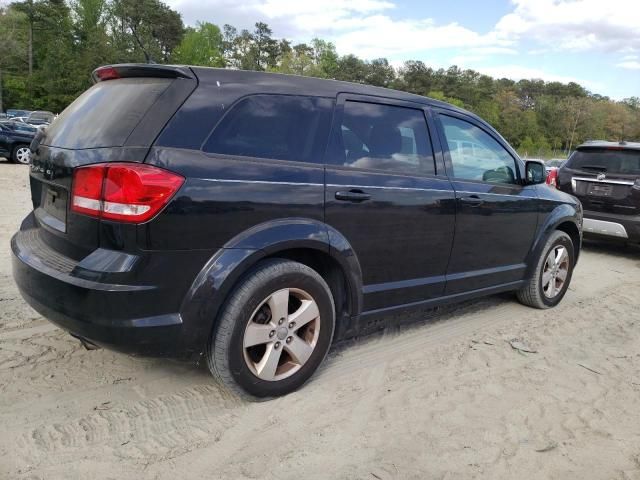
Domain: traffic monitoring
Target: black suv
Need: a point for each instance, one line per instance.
(253, 218)
(605, 176)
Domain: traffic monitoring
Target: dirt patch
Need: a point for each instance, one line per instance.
(451, 398)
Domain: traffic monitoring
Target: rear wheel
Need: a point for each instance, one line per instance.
(21, 154)
(274, 331)
(552, 276)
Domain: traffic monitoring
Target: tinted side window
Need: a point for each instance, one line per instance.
(279, 127)
(386, 137)
(475, 155)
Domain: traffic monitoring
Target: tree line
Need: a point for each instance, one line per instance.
(49, 47)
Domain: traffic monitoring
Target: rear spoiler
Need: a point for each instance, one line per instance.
(128, 70)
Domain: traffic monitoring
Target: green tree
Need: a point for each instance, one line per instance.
(415, 77)
(325, 58)
(439, 95)
(201, 45)
(379, 73)
(148, 29)
(351, 69)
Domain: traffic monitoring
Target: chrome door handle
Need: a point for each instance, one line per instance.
(472, 201)
(353, 196)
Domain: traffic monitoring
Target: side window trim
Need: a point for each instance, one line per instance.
(334, 142)
(445, 146)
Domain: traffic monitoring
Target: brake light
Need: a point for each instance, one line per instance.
(126, 192)
(106, 73)
(552, 178)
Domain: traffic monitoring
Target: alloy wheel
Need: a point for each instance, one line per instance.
(23, 155)
(555, 271)
(281, 334)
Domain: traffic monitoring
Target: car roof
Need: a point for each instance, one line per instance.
(312, 86)
(604, 144)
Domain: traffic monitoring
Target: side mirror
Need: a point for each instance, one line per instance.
(535, 172)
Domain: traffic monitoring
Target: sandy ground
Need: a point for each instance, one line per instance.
(444, 399)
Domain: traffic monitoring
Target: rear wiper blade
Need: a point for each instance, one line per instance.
(594, 167)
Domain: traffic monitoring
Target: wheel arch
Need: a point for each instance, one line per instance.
(310, 242)
(571, 229)
(565, 218)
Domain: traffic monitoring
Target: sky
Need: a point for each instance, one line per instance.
(593, 42)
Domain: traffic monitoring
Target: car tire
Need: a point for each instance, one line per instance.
(254, 313)
(21, 154)
(552, 274)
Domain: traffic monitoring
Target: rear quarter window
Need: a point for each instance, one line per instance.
(279, 127)
(106, 114)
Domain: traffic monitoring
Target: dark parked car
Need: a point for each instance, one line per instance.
(253, 218)
(605, 176)
(15, 139)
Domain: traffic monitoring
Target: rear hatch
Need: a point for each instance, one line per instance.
(117, 119)
(605, 179)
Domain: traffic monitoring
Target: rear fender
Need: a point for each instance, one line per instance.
(226, 267)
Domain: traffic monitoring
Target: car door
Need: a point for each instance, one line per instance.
(496, 213)
(389, 197)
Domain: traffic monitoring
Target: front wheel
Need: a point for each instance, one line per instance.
(21, 154)
(274, 331)
(552, 275)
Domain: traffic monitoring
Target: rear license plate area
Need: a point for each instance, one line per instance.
(54, 204)
(598, 190)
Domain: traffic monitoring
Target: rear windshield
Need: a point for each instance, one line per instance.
(106, 114)
(606, 160)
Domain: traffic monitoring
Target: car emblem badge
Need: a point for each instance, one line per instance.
(601, 176)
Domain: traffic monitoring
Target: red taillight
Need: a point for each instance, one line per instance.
(106, 73)
(126, 192)
(87, 190)
(552, 178)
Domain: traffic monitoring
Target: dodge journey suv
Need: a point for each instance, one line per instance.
(252, 218)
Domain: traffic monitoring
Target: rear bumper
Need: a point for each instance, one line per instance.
(134, 318)
(613, 226)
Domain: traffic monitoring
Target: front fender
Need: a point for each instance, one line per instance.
(563, 213)
(213, 284)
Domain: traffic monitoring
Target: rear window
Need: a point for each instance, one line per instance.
(106, 114)
(279, 127)
(606, 160)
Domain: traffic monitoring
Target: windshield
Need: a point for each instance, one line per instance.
(626, 162)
